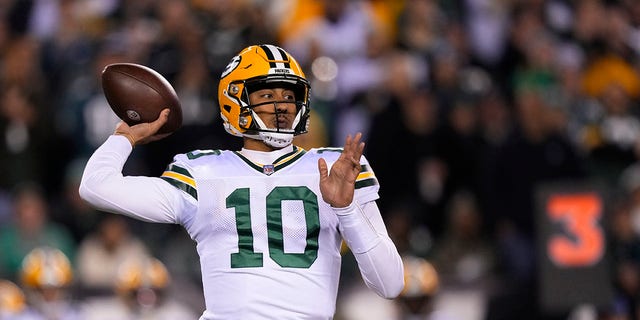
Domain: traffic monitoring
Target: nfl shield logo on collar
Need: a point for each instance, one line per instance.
(268, 169)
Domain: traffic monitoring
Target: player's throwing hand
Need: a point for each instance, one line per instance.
(143, 133)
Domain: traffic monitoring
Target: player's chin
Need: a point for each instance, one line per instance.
(282, 126)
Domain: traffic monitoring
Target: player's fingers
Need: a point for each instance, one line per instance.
(356, 139)
(347, 150)
(322, 168)
(357, 146)
(353, 149)
(347, 143)
(359, 150)
(162, 119)
(352, 143)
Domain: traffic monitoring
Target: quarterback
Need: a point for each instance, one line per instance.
(269, 219)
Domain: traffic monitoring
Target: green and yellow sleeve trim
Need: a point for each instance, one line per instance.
(366, 178)
(180, 178)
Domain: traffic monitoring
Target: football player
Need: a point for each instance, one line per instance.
(268, 219)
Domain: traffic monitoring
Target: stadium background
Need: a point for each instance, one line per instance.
(487, 122)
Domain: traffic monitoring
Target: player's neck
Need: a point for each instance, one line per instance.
(266, 157)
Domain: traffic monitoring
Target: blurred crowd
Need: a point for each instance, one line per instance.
(468, 107)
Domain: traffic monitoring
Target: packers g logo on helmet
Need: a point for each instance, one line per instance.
(255, 67)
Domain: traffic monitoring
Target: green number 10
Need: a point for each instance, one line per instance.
(246, 257)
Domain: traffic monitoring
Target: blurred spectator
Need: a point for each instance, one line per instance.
(494, 125)
(614, 136)
(231, 25)
(525, 25)
(626, 220)
(403, 136)
(421, 26)
(24, 136)
(183, 263)
(30, 228)
(69, 209)
(624, 245)
(84, 116)
(464, 256)
(488, 25)
(446, 77)
(627, 283)
(102, 252)
(47, 276)
(347, 32)
(460, 135)
(142, 287)
(408, 233)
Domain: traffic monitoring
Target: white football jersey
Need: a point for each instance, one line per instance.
(263, 232)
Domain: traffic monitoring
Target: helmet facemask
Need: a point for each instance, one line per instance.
(254, 125)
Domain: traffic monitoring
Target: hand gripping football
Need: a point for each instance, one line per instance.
(137, 94)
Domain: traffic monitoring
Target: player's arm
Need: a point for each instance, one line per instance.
(378, 259)
(145, 198)
(361, 225)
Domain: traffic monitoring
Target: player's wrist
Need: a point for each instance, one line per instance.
(345, 210)
(356, 229)
(128, 136)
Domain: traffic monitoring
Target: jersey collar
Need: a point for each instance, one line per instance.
(260, 160)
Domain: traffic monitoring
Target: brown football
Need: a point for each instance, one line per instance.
(137, 94)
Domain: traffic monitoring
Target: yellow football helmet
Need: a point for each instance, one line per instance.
(420, 277)
(12, 300)
(46, 267)
(143, 273)
(254, 68)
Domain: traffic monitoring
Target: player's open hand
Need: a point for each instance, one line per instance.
(337, 186)
(143, 132)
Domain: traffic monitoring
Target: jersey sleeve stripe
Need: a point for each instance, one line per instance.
(180, 177)
(366, 183)
(365, 175)
(179, 170)
(182, 186)
(326, 149)
(366, 178)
